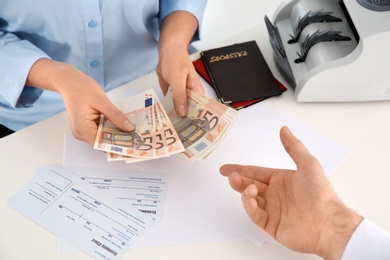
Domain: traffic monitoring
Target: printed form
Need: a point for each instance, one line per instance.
(90, 219)
(143, 190)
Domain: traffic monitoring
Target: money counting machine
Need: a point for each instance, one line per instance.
(333, 50)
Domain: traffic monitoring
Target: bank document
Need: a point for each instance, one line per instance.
(84, 216)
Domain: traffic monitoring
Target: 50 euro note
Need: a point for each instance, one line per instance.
(164, 137)
(169, 143)
(159, 133)
(174, 143)
(227, 120)
(203, 128)
(141, 142)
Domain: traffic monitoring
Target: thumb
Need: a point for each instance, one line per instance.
(117, 118)
(294, 147)
(193, 82)
(179, 95)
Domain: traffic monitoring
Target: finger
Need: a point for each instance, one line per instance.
(90, 133)
(255, 213)
(87, 133)
(236, 182)
(255, 207)
(116, 117)
(179, 95)
(295, 148)
(193, 81)
(239, 183)
(227, 169)
(163, 85)
(261, 174)
(260, 202)
(253, 192)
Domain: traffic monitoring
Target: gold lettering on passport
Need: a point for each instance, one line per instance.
(233, 55)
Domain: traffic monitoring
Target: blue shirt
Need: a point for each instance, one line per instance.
(113, 41)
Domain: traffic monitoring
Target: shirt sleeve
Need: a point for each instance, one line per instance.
(16, 58)
(368, 242)
(196, 7)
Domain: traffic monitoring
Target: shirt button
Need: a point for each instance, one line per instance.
(94, 64)
(92, 24)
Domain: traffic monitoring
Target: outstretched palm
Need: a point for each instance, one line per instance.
(296, 207)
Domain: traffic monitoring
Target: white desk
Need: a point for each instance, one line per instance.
(361, 181)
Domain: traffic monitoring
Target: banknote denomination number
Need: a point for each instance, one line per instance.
(212, 121)
(169, 136)
(147, 145)
(159, 143)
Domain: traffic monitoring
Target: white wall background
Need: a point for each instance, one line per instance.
(225, 18)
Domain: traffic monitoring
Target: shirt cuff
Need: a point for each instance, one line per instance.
(368, 242)
(196, 7)
(16, 60)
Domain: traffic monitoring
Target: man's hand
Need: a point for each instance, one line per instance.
(175, 68)
(297, 207)
(84, 99)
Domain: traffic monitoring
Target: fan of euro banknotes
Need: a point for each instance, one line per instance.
(159, 132)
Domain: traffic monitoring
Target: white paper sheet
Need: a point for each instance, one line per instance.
(253, 139)
(89, 218)
(143, 190)
(182, 222)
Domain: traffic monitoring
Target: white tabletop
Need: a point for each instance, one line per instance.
(361, 181)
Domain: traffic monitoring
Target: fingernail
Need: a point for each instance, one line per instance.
(128, 125)
(181, 110)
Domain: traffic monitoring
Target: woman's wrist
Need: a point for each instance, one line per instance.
(45, 74)
(177, 30)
